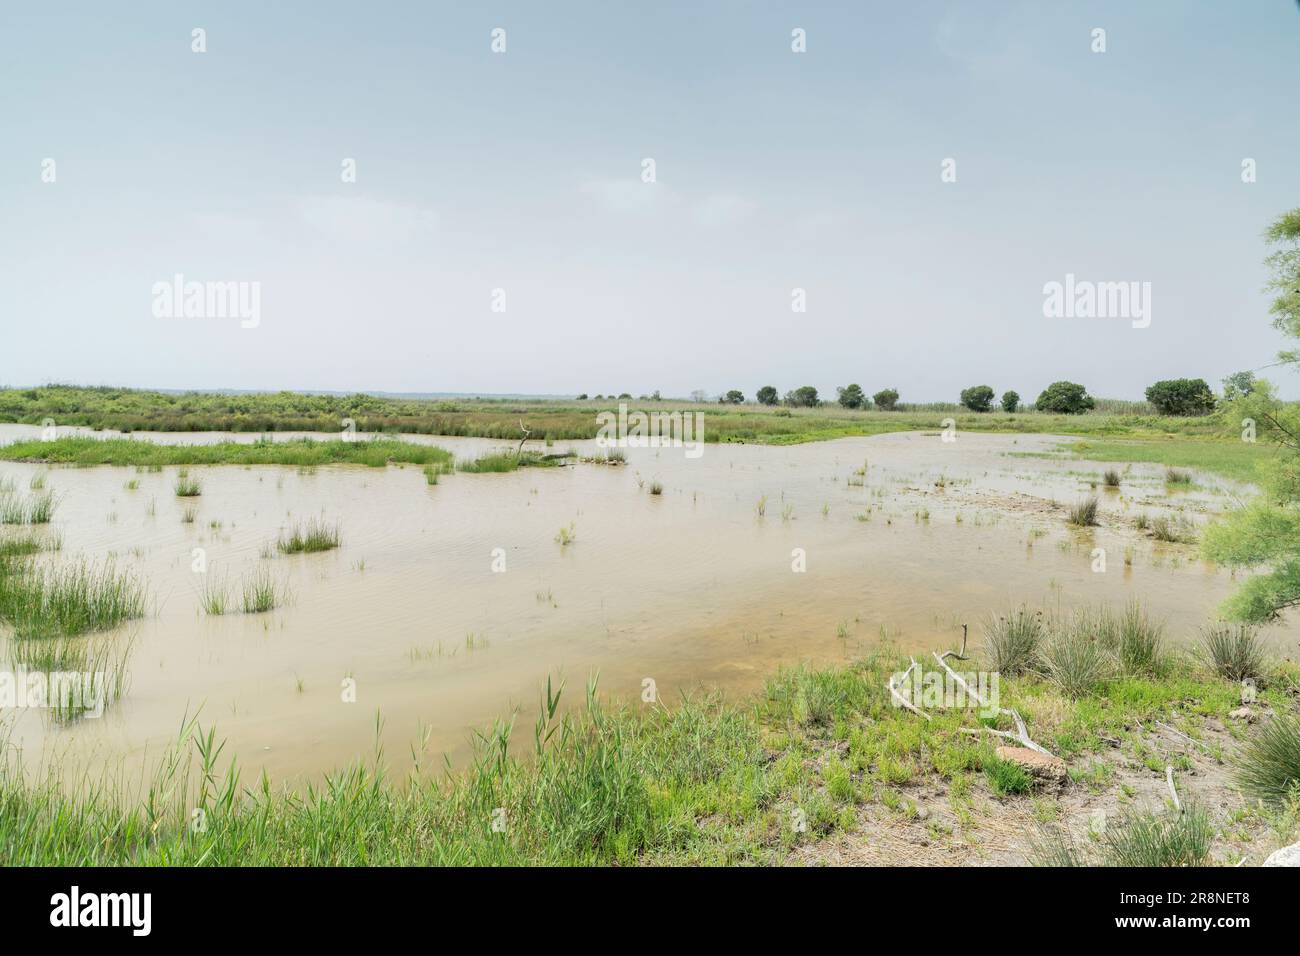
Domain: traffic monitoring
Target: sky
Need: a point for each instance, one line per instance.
(499, 235)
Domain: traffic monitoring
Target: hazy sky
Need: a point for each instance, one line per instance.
(522, 171)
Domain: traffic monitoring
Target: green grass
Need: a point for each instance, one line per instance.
(304, 453)
(1238, 460)
(187, 487)
(1139, 838)
(67, 599)
(214, 598)
(1007, 778)
(313, 536)
(261, 592)
(36, 509)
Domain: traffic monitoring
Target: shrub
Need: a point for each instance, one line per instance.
(1010, 401)
(1143, 838)
(1139, 641)
(733, 397)
(1111, 478)
(886, 399)
(1233, 651)
(1011, 642)
(1065, 398)
(1270, 767)
(1181, 396)
(1075, 656)
(978, 398)
(1084, 514)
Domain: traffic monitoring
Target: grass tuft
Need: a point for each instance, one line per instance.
(310, 538)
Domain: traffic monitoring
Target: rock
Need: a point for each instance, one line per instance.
(1040, 765)
(1244, 713)
(1287, 856)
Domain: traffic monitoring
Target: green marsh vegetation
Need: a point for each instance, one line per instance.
(187, 487)
(1084, 513)
(37, 508)
(310, 537)
(705, 781)
(303, 453)
(509, 461)
(261, 592)
(65, 600)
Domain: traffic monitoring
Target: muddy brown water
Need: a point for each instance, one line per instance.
(691, 589)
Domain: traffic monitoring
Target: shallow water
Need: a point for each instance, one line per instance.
(691, 589)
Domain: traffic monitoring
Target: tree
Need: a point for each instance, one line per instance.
(1181, 396)
(1065, 398)
(978, 398)
(1238, 385)
(1284, 264)
(805, 396)
(1010, 401)
(886, 399)
(1265, 533)
(733, 397)
(699, 395)
(583, 397)
(851, 396)
(767, 395)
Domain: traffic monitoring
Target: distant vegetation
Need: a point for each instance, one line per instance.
(766, 422)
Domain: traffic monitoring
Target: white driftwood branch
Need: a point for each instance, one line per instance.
(1169, 778)
(899, 698)
(1022, 732)
(1191, 740)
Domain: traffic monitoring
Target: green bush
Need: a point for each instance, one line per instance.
(886, 399)
(978, 398)
(1010, 401)
(1181, 396)
(1065, 398)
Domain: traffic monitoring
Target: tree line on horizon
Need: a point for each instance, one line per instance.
(1178, 397)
